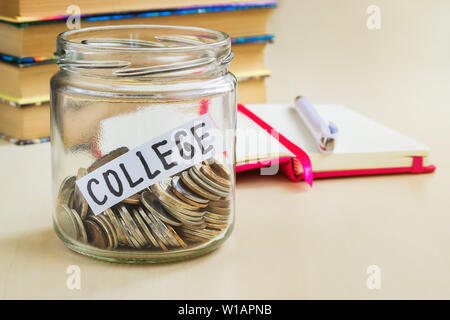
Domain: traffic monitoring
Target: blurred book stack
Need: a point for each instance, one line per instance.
(28, 31)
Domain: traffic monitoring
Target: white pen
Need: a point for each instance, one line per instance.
(325, 133)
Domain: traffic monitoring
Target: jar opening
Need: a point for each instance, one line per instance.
(143, 50)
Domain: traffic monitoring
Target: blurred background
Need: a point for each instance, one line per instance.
(398, 74)
(391, 64)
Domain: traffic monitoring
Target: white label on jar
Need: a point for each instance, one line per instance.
(153, 161)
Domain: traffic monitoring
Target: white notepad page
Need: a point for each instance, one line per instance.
(363, 143)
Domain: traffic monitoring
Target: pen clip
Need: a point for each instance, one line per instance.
(325, 133)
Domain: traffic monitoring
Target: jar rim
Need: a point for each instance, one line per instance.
(221, 39)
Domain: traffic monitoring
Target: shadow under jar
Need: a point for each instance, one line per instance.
(119, 88)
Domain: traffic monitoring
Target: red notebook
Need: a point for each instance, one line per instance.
(273, 136)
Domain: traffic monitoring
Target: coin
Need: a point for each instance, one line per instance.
(216, 221)
(216, 216)
(81, 202)
(188, 182)
(67, 183)
(180, 241)
(209, 172)
(162, 191)
(134, 199)
(117, 226)
(169, 236)
(216, 226)
(137, 230)
(144, 229)
(180, 189)
(111, 231)
(187, 208)
(189, 220)
(222, 203)
(157, 231)
(194, 227)
(132, 242)
(170, 239)
(151, 203)
(189, 213)
(211, 183)
(163, 247)
(220, 169)
(208, 162)
(65, 221)
(205, 185)
(71, 202)
(203, 232)
(184, 218)
(68, 223)
(194, 237)
(179, 195)
(82, 237)
(65, 191)
(218, 210)
(95, 234)
(148, 222)
(131, 225)
(105, 230)
(107, 158)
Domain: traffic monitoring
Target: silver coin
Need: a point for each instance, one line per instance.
(219, 210)
(180, 215)
(81, 230)
(206, 186)
(111, 230)
(131, 241)
(190, 222)
(183, 211)
(190, 234)
(107, 158)
(145, 230)
(117, 226)
(162, 191)
(207, 180)
(81, 202)
(222, 203)
(65, 219)
(154, 206)
(194, 187)
(200, 233)
(65, 191)
(220, 217)
(178, 185)
(156, 228)
(105, 229)
(131, 225)
(167, 234)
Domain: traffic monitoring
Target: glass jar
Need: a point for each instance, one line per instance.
(143, 142)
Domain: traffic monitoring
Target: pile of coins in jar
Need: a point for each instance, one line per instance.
(186, 209)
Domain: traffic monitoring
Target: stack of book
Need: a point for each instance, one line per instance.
(28, 33)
